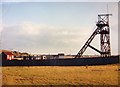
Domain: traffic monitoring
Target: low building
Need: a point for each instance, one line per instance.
(16, 54)
(61, 55)
(53, 56)
(25, 56)
(7, 56)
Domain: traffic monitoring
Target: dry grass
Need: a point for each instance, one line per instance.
(0, 76)
(61, 75)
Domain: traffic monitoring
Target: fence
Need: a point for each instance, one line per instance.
(63, 62)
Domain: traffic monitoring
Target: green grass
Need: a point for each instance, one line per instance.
(61, 75)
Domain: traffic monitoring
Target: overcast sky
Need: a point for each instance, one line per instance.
(54, 27)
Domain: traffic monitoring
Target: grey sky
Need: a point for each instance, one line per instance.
(54, 27)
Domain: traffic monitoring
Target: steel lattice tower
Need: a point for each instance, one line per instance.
(104, 30)
(103, 24)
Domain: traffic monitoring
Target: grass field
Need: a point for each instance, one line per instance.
(61, 75)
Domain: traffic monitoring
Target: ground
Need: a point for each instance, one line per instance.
(60, 75)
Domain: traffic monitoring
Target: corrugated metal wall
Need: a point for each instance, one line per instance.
(63, 62)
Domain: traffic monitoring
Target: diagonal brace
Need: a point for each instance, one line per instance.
(95, 49)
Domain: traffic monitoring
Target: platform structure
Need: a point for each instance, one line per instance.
(103, 30)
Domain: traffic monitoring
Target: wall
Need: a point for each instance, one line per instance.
(63, 62)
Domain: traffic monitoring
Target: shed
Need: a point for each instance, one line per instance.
(7, 56)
